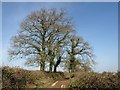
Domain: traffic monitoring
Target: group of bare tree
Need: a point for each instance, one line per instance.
(47, 38)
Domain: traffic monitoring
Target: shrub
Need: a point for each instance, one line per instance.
(20, 78)
(95, 80)
(15, 77)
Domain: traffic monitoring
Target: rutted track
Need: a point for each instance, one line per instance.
(59, 84)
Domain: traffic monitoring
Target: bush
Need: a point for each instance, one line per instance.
(16, 77)
(95, 80)
(20, 78)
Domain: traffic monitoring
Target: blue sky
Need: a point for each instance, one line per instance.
(97, 23)
(61, 0)
(1, 34)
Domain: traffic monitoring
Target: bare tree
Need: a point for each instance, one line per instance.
(39, 36)
(45, 37)
(79, 54)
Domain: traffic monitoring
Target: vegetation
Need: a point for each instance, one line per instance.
(79, 55)
(13, 78)
(95, 80)
(20, 78)
(48, 37)
(46, 40)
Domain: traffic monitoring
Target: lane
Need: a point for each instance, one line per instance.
(54, 83)
(59, 84)
(62, 86)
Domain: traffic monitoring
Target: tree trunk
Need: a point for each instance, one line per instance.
(43, 54)
(42, 65)
(57, 63)
(51, 62)
(50, 67)
(55, 68)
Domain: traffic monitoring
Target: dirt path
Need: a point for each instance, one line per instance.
(59, 84)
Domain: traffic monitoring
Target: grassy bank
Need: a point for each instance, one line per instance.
(95, 80)
(20, 78)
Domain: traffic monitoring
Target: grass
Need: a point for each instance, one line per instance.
(20, 78)
(95, 80)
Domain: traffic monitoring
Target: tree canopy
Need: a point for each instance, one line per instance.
(46, 37)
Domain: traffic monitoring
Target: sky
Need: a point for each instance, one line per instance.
(97, 23)
(0, 34)
(60, 0)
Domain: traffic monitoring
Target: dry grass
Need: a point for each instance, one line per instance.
(95, 80)
(20, 78)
